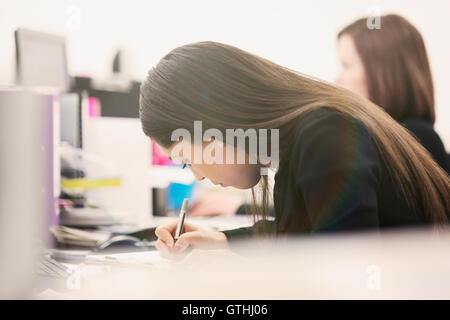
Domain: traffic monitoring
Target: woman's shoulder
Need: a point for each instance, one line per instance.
(421, 127)
(424, 132)
(321, 113)
(329, 120)
(328, 133)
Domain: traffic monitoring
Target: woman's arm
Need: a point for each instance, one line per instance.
(247, 232)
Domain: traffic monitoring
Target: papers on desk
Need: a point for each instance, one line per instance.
(93, 238)
(86, 217)
(79, 237)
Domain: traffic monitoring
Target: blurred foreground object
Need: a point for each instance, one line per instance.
(396, 265)
(29, 183)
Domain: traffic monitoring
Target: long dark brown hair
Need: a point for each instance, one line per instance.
(226, 87)
(396, 65)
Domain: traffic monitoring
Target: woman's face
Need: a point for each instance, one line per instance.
(352, 75)
(241, 176)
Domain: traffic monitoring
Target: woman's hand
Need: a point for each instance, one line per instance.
(192, 236)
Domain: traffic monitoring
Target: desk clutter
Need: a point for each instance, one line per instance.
(81, 173)
(100, 239)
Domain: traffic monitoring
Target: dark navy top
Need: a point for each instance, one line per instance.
(424, 132)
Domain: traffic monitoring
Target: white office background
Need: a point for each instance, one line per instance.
(298, 34)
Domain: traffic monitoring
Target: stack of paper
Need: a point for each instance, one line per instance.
(78, 237)
(86, 217)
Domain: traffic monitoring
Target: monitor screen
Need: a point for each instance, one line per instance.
(41, 59)
(71, 119)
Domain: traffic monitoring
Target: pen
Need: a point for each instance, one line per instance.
(181, 219)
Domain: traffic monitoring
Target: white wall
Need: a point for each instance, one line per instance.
(297, 34)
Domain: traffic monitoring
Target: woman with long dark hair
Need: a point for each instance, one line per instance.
(390, 67)
(344, 163)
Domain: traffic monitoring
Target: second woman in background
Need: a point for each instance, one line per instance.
(390, 67)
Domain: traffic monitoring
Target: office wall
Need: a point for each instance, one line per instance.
(297, 34)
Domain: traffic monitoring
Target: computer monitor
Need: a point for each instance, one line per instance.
(71, 119)
(41, 59)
